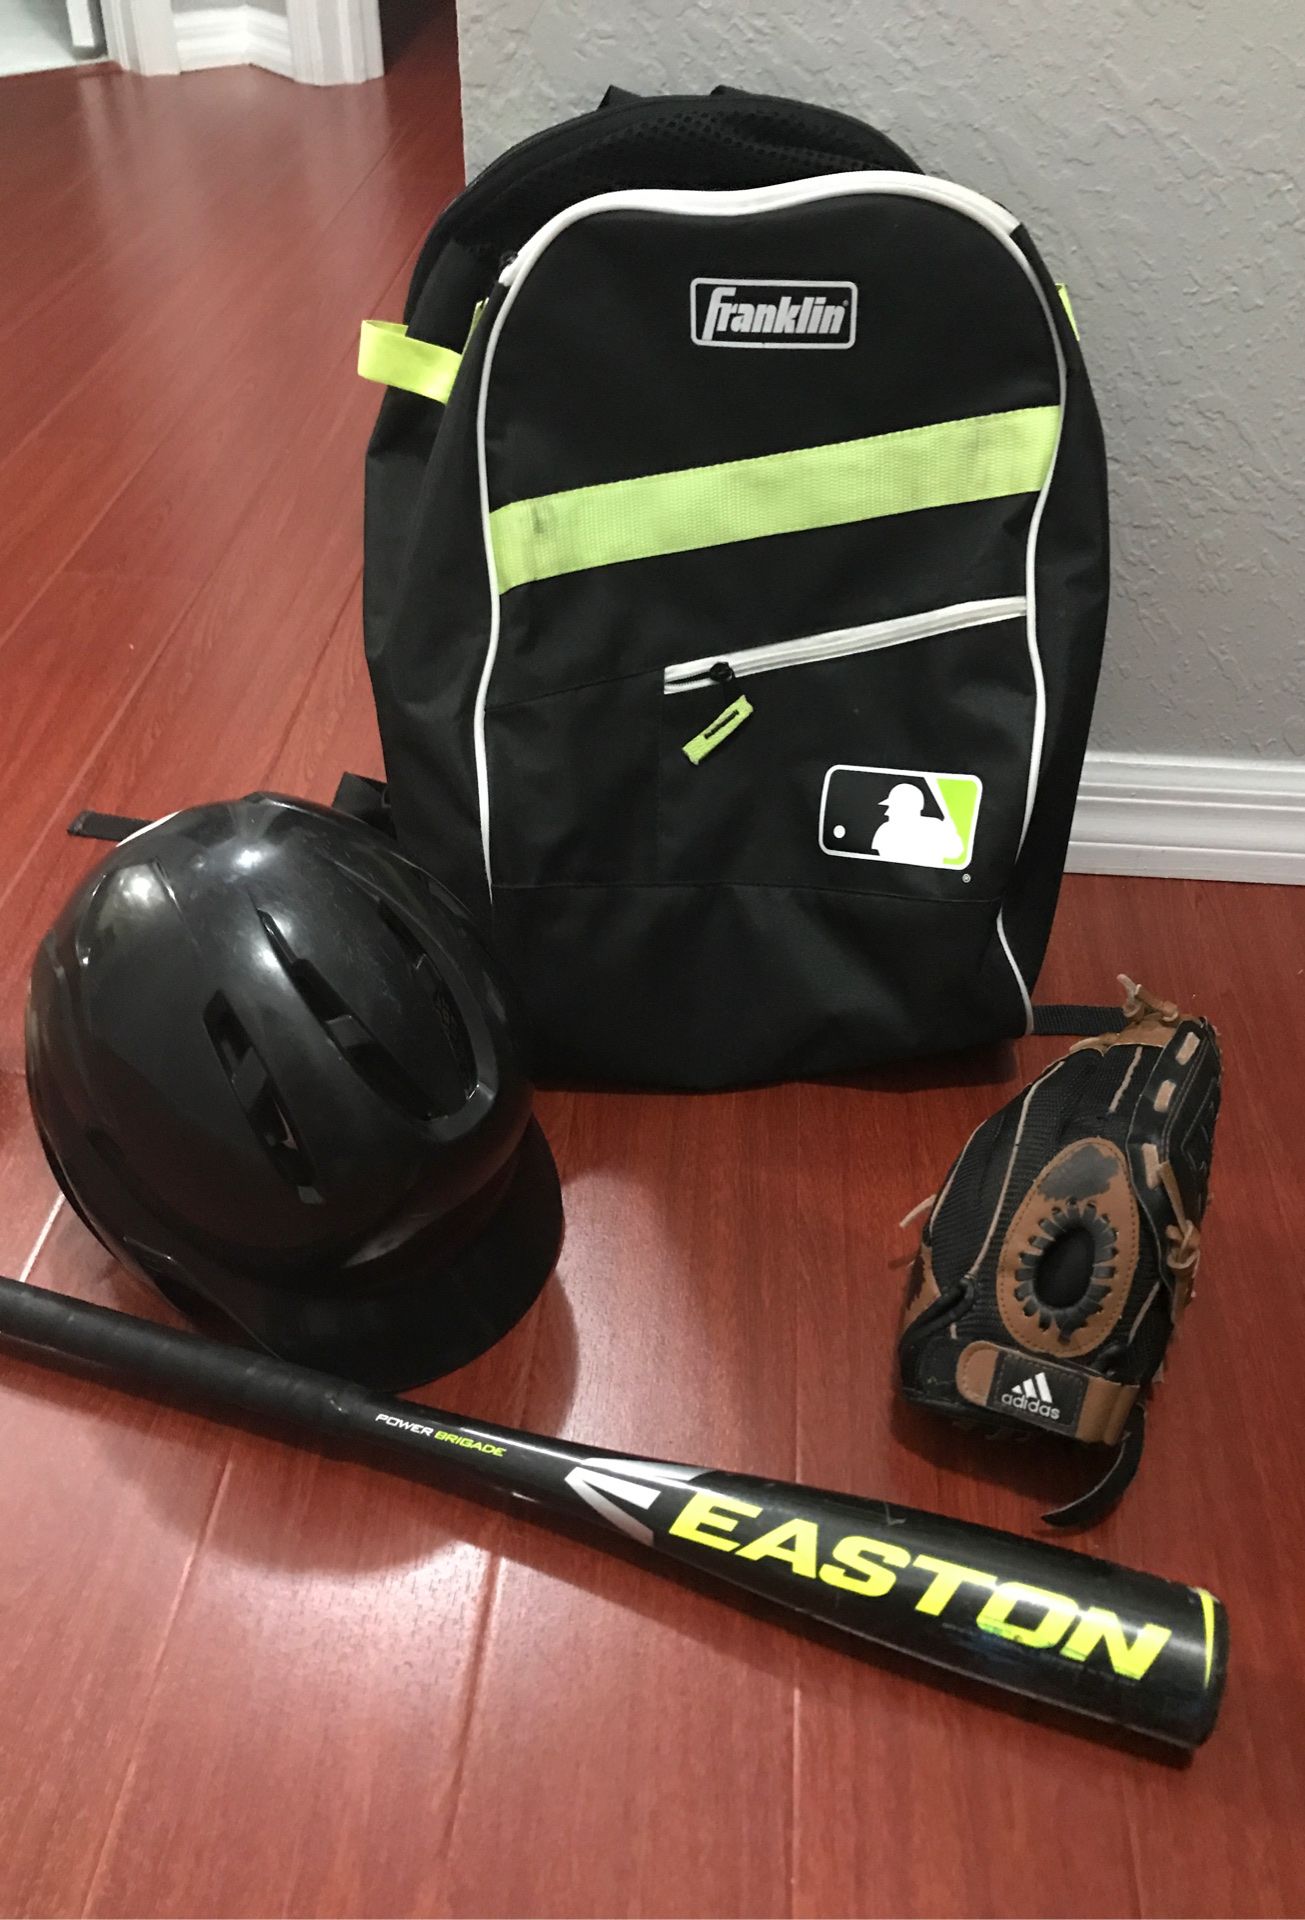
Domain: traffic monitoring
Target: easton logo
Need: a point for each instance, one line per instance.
(773, 313)
(1033, 1396)
(859, 1566)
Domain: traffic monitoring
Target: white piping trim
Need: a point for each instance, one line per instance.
(843, 643)
(1020, 981)
(1030, 565)
(495, 598)
(1041, 1080)
(733, 204)
(1138, 1316)
(1123, 1085)
(728, 202)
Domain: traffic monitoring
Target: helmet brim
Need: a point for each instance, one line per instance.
(428, 1323)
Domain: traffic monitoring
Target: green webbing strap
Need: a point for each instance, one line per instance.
(983, 458)
(697, 749)
(386, 353)
(1068, 305)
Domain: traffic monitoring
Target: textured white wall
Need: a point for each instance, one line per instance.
(1156, 150)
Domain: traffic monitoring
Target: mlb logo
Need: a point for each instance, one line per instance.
(900, 816)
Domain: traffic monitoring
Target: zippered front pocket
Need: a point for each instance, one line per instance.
(687, 675)
(890, 757)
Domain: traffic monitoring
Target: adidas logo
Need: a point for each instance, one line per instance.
(773, 313)
(1033, 1396)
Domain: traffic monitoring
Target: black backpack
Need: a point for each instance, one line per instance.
(735, 587)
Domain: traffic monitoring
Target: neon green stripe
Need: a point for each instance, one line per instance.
(385, 353)
(982, 458)
(1207, 1614)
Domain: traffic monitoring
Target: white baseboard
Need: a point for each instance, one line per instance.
(234, 37)
(1190, 818)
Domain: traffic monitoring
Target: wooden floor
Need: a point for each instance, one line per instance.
(238, 1680)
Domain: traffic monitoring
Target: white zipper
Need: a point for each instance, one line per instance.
(686, 675)
(745, 200)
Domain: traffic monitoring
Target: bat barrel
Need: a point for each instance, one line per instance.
(1065, 1628)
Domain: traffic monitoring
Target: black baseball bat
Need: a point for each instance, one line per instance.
(1061, 1627)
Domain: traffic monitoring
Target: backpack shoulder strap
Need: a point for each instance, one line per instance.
(1062, 1017)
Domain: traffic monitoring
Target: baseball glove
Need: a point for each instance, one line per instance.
(1060, 1253)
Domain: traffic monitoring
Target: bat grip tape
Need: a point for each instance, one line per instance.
(187, 1366)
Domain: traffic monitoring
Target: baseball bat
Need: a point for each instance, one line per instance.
(1061, 1627)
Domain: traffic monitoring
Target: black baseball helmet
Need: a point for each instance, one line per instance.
(274, 1072)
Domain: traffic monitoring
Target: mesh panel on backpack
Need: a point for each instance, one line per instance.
(724, 142)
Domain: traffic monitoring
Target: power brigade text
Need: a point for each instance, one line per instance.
(870, 1568)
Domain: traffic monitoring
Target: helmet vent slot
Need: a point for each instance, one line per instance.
(427, 977)
(360, 1047)
(252, 1085)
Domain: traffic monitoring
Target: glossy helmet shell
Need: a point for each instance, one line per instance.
(274, 1071)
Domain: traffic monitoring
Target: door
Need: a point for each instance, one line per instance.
(85, 26)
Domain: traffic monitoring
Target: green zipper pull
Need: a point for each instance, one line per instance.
(739, 710)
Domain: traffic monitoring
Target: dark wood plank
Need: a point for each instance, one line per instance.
(80, 642)
(104, 1506)
(92, 219)
(29, 1194)
(192, 703)
(652, 1726)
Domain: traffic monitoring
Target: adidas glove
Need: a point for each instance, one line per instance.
(1061, 1251)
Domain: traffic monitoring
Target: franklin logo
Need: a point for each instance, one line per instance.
(773, 313)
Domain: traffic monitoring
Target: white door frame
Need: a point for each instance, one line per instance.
(140, 36)
(335, 42)
(325, 43)
(84, 24)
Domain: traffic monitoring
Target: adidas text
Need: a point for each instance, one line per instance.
(1033, 1396)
